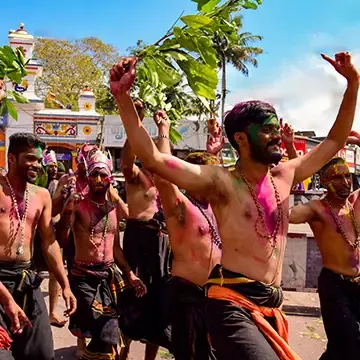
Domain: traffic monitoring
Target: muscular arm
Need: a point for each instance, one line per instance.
(291, 150)
(50, 246)
(120, 257)
(301, 214)
(128, 167)
(194, 178)
(307, 165)
(63, 227)
(58, 199)
(122, 210)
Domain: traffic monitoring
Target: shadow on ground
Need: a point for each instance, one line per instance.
(65, 353)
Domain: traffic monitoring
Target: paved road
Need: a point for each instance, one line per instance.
(307, 338)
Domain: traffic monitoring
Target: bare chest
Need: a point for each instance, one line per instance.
(96, 220)
(23, 211)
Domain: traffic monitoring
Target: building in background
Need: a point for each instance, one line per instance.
(194, 135)
(63, 130)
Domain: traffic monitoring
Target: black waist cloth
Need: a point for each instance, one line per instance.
(146, 248)
(340, 308)
(189, 336)
(22, 281)
(231, 327)
(24, 285)
(98, 289)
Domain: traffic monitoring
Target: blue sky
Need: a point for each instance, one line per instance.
(295, 32)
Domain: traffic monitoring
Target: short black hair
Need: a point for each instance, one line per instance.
(202, 158)
(20, 142)
(329, 164)
(242, 115)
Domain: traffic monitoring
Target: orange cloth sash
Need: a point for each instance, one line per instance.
(278, 340)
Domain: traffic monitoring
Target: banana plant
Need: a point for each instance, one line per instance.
(12, 69)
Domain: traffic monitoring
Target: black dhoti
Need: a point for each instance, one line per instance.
(146, 248)
(24, 285)
(189, 336)
(340, 308)
(233, 333)
(97, 289)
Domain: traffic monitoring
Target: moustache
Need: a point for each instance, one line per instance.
(274, 142)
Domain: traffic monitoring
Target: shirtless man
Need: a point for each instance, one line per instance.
(196, 247)
(335, 221)
(145, 243)
(25, 208)
(50, 176)
(250, 204)
(95, 280)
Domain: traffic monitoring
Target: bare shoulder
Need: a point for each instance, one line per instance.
(222, 183)
(285, 171)
(354, 197)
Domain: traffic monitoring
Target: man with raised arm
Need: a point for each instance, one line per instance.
(196, 248)
(250, 204)
(24, 208)
(146, 245)
(335, 221)
(96, 282)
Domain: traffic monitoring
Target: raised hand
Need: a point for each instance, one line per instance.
(287, 133)
(161, 119)
(343, 65)
(216, 140)
(140, 109)
(122, 76)
(71, 202)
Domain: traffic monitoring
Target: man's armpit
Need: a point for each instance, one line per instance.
(219, 189)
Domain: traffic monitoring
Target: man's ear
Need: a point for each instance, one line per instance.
(11, 159)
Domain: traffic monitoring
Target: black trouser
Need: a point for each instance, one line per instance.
(189, 336)
(233, 333)
(31, 344)
(340, 308)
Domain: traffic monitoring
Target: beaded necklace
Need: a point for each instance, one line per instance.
(261, 218)
(104, 231)
(356, 244)
(21, 220)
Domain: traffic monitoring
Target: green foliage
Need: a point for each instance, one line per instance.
(188, 56)
(12, 68)
(69, 66)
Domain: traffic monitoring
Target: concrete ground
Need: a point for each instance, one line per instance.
(307, 335)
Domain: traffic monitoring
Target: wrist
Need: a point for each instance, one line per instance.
(164, 130)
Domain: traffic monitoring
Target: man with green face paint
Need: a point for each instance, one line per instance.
(334, 221)
(250, 204)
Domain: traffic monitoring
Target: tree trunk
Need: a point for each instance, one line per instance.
(223, 87)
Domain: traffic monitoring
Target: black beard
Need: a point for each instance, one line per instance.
(31, 180)
(263, 156)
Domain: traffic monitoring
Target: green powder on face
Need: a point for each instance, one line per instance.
(254, 128)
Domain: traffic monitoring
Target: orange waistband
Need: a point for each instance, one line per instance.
(279, 340)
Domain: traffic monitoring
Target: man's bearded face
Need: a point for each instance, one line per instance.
(337, 180)
(265, 141)
(99, 181)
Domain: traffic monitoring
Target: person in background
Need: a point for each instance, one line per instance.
(334, 221)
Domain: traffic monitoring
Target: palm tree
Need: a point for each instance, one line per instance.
(237, 51)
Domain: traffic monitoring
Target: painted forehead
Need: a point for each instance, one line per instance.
(271, 120)
(100, 170)
(338, 169)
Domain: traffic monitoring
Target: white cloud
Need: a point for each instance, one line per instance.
(306, 93)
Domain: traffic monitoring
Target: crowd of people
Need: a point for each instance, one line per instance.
(199, 268)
